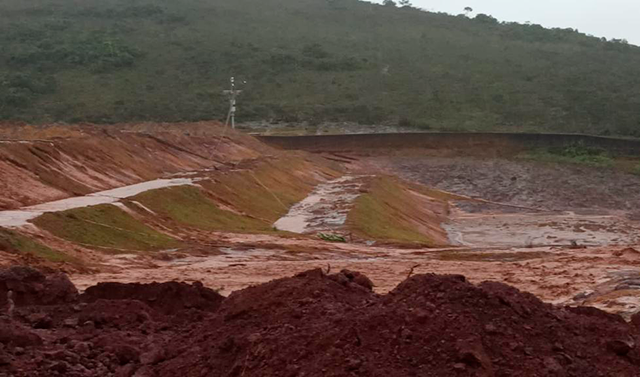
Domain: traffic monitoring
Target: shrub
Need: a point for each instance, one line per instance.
(574, 153)
(332, 237)
(100, 53)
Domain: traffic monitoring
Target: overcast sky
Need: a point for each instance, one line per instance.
(602, 18)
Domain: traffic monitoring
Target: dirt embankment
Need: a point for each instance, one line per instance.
(371, 210)
(313, 325)
(486, 144)
(213, 179)
(393, 211)
(506, 168)
(40, 164)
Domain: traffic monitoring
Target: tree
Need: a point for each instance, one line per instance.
(405, 3)
(468, 10)
(389, 3)
(486, 19)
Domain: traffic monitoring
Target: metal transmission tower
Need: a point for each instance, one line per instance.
(233, 93)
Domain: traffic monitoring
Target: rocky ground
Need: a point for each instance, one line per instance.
(313, 324)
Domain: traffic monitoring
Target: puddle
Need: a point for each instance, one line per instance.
(21, 217)
(325, 209)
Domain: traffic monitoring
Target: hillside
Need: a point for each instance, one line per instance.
(309, 60)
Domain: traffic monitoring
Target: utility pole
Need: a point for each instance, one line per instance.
(232, 93)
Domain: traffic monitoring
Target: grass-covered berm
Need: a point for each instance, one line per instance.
(312, 324)
(104, 226)
(15, 243)
(239, 200)
(223, 183)
(394, 211)
(226, 182)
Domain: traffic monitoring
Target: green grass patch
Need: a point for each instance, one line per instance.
(106, 227)
(15, 243)
(266, 192)
(188, 205)
(577, 153)
(389, 213)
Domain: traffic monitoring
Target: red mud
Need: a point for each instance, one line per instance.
(317, 325)
(31, 287)
(86, 159)
(167, 298)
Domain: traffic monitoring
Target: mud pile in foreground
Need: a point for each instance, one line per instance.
(309, 325)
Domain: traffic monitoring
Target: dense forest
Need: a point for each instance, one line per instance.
(107, 61)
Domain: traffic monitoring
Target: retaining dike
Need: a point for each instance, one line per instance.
(485, 143)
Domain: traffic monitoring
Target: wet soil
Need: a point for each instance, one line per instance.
(317, 324)
(555, 274)
(525, 203)
(556, 187)
(48, 163)
(325, 209)
(540, 229)
(20, 217)
(340, 324)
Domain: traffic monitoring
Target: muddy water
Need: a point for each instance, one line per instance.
(558, 187)
(556, 276)
(21, 217)
(533, 203)
(325, 209)
(540, 229)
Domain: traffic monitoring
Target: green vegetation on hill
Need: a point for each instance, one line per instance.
(189, 206)
(315, 60)
(575, 153)
(105, 227)
(267, 192)
(582, 154)
(15, 243)
(389, 212)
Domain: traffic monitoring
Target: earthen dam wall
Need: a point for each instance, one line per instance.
(486, 143)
